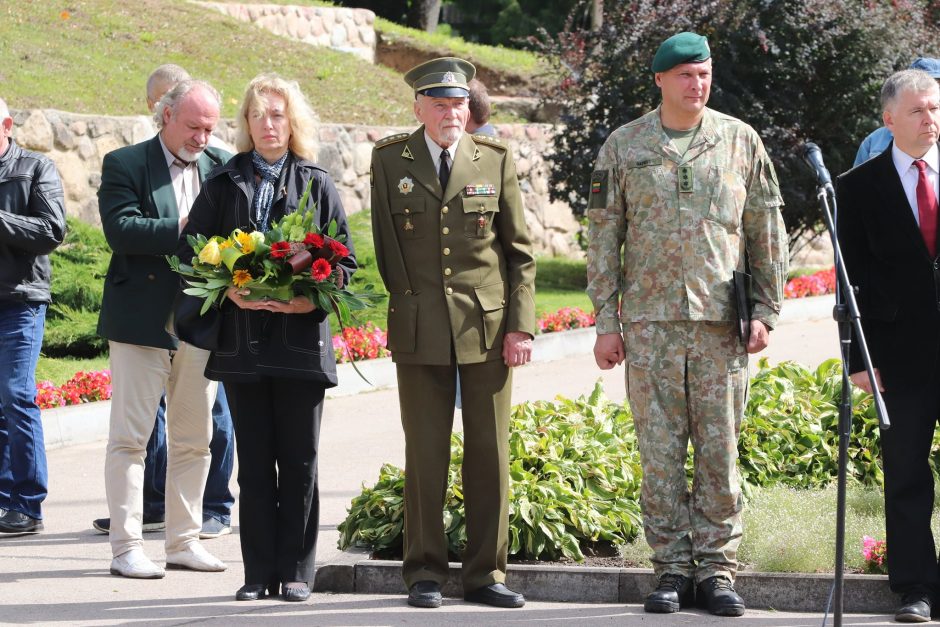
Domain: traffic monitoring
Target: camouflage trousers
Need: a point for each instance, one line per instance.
(688, 381)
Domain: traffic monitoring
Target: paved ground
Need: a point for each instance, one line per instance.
(61, 576)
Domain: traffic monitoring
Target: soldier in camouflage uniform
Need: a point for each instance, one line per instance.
(687, 195)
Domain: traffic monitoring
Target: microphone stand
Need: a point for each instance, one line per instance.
(847, 317)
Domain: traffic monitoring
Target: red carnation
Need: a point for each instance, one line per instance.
(314, 239)
(280, 250)
(321, 270)
(337, 248)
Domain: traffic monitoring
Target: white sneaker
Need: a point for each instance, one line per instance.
(194, 557)
(136, 565)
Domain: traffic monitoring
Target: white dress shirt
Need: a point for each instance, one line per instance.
(185, 181)
(908, 173)
(437, 151)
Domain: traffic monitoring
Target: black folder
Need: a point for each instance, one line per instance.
(742, 299)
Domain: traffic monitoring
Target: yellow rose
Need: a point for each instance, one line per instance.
(211, 253)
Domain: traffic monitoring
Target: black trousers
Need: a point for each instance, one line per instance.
(277, 432)
(909, 486)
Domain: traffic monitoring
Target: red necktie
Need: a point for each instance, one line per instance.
(926, 207)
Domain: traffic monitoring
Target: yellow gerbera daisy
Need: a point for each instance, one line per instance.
(245, 241)
(241, 277)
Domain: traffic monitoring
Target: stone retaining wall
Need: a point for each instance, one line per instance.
(77, 143)
(347, 30)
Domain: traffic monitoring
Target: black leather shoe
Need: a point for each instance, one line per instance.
(915, 608)
(15, 522)
(495, 594)
(149, 525)
(673, 592)
(255, 591)
(295, 591)
(716, 594)
(425, 594)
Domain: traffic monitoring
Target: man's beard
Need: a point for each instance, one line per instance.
(188, 155)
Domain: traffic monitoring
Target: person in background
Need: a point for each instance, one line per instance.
(479, 121)
(274, 358)
(32, 224)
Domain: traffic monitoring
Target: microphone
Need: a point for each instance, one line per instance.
(812, 155)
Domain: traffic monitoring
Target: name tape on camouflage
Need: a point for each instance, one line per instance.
(486, 189)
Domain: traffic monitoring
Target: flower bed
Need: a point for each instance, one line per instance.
(816, 284)
(83, 387)
(357, 343)
(565, 319)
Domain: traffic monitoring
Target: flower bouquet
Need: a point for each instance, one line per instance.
(293, 257)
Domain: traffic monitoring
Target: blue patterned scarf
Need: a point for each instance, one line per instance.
(264, 190)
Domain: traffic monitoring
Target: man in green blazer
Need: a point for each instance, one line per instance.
(144, 199)
(454, 252)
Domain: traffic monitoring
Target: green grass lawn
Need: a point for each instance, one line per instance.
(60, 369)
(94, 56)
(790, 530)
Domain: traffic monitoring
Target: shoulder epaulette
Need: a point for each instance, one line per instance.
(391, 139)
(489, 140)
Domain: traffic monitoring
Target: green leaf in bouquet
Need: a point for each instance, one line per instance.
(333, 229)
(230, 256)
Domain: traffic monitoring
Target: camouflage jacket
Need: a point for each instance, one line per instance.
(666, 232)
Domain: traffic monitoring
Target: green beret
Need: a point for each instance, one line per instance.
(446, 77)
(681, 48)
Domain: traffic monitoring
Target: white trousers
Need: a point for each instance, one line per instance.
(139, 376)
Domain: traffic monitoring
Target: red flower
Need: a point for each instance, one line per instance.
(314, 239)
(337, 248)
(280, 250)
(321, 270)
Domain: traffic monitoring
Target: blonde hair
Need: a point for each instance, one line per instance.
(302, 119)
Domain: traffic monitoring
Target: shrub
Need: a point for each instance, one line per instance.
(78, 269)
(574, 474)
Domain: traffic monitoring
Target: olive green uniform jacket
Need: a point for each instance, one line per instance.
(457, 262)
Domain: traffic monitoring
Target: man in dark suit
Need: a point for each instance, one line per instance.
(144, 199)
(454, 252)
(888, 233)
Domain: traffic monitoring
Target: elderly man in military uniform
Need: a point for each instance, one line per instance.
(454, 252)
(688, 196)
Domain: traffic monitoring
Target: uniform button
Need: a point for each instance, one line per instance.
(407, 210)
(447, 251)
(445, 230)
(445, 210)
(449, 291)
(151, 277)
(447, 271)
(502, 302)
(391, 309)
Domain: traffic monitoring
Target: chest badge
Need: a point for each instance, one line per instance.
(406, 185)
(487, 189)
(406, 154)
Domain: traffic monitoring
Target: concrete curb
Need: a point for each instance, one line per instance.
(787, 592)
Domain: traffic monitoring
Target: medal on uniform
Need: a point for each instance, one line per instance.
(406, 185)
(482, 189)
(481, 224)
(686, 178)
(408, 226)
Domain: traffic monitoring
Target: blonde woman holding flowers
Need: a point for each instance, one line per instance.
(275, 358)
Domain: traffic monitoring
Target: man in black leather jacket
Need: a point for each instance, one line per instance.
(32, 224)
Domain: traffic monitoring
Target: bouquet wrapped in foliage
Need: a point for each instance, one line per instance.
(293, 257)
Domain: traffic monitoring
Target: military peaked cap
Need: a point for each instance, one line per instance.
(446, 77)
